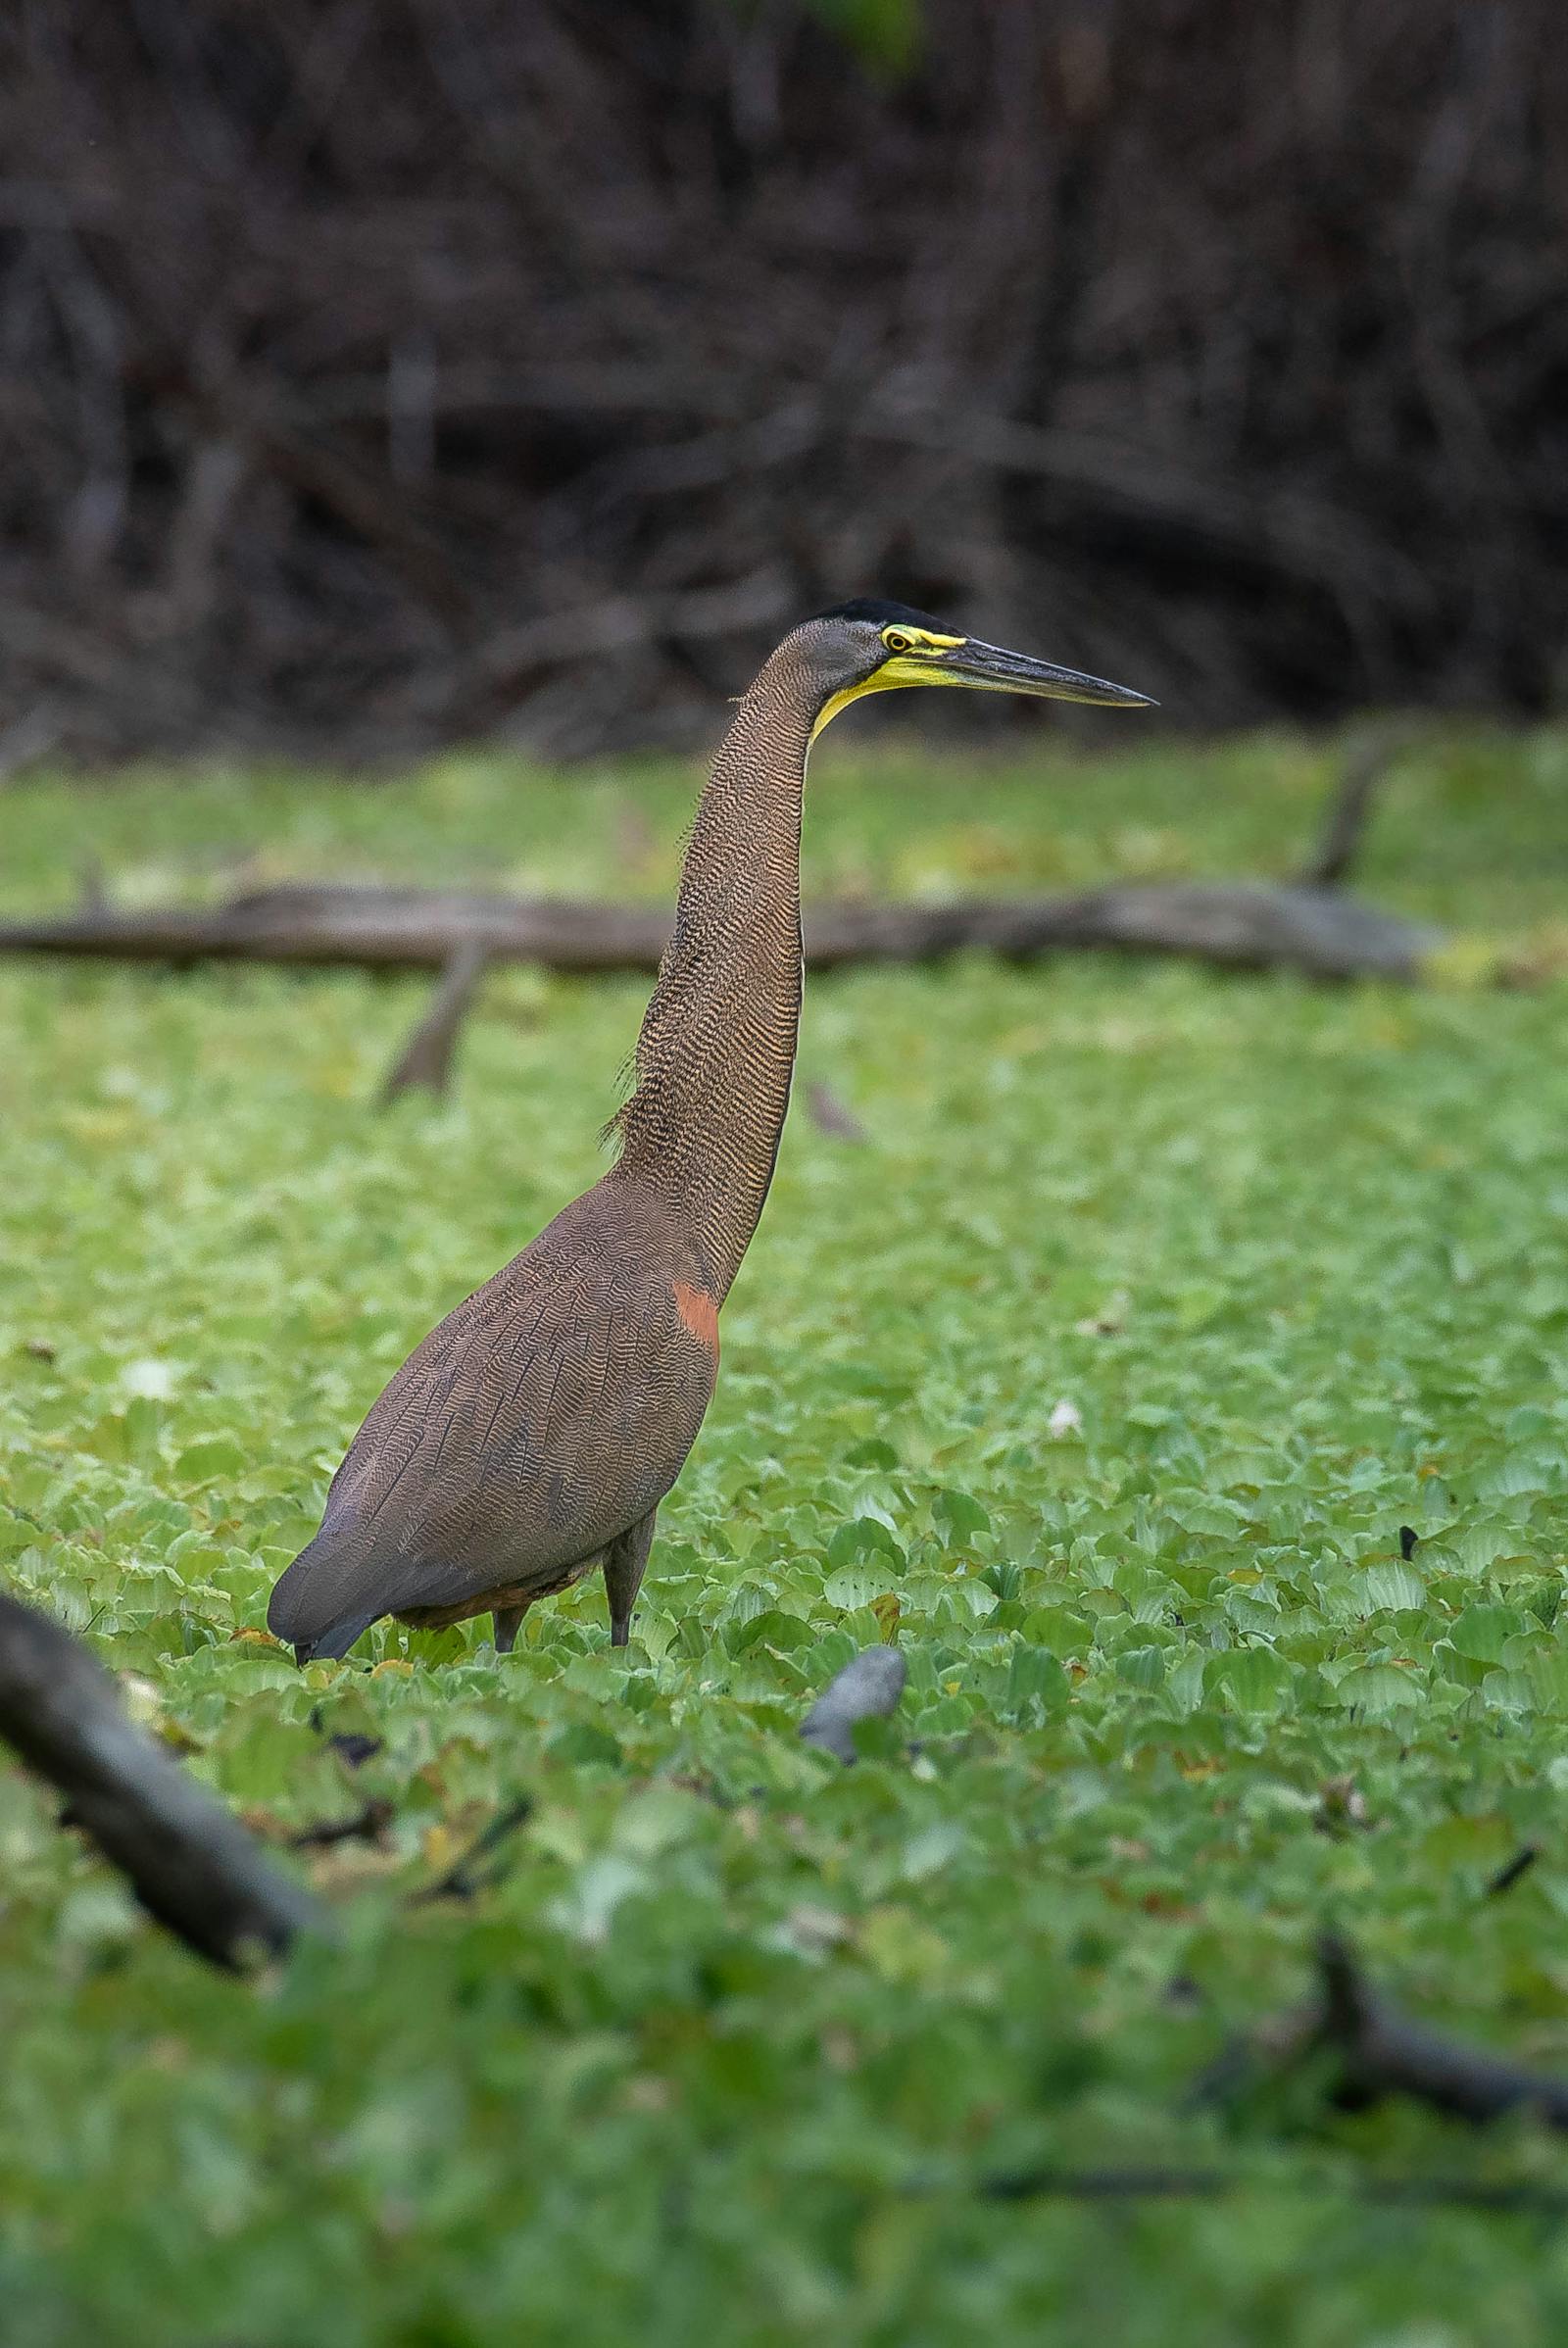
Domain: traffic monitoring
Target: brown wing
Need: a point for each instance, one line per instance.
(549, 1412)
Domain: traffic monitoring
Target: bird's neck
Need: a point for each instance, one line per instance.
(718, 1044)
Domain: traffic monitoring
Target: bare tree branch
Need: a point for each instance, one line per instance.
(467, 1875)
(1381, 2051)
(368, 1824)
(1050, 2183)
(831, 1115)
(1366, 762)
(1385, 2053)
(189, 1862)
(426, 1058)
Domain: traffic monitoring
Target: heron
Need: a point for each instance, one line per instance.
(531, 1436)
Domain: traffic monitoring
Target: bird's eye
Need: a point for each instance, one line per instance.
(896, 641)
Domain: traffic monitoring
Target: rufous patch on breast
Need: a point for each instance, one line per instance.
(699, 1314)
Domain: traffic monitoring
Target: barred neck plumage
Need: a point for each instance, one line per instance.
(717, 1042)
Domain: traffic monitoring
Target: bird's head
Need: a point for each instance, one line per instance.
(871, 646)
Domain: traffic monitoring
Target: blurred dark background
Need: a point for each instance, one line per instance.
(380, 372)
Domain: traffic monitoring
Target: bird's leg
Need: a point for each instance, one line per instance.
(624, 1560)
(505, 1624)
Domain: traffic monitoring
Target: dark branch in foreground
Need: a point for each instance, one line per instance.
(466, 1876)
(368, 1824)
(1385, 2053)
(191, 1865)
(1380, 2051)
(1513, 1870)
(1238, 925)
(868, 1688)
(1209, 2184)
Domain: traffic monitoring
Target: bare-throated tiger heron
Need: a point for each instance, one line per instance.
(532, 1436)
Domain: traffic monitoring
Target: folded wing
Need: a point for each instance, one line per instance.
(543, 1417)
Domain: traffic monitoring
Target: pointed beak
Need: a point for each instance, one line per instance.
(990, 669)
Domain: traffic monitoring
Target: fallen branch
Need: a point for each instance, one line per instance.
(1380, 2052)
(368, 1824)
(192, 1865)
(1366, 762)
(465, 1876)
(831, 1115)
(1513, 1870)
(426, 1058)
(1384, 2053)
(1207, 2184)
(868, 1688)
(1238, 925)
